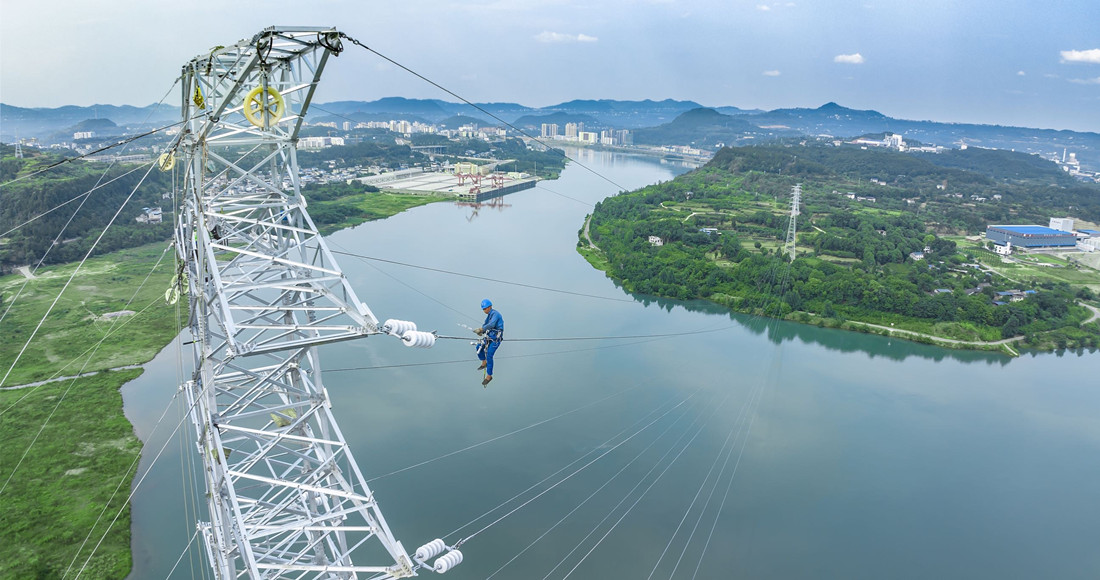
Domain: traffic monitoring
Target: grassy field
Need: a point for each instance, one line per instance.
(67, 460)
(68, 450)
(374, 206)
(83, 315)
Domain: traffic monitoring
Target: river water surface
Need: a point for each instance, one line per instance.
(730, 447)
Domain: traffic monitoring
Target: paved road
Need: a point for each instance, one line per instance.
(1095, 312)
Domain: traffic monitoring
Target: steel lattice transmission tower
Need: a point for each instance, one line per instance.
(285, 496)
(796, 199)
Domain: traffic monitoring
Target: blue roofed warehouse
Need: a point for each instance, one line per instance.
(1030, 236)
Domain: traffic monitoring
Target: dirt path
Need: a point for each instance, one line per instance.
(588, 221)
(940, 338)
(26, 272)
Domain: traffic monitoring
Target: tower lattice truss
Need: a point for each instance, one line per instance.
(285, 497)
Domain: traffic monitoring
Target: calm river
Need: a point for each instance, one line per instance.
(731, 447)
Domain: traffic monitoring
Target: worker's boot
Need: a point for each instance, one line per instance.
(483, 365)
(486, 380)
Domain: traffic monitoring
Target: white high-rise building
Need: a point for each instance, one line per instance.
(549, 130)
(1061, 224)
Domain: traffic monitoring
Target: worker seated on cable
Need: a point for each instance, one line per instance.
(492, 332)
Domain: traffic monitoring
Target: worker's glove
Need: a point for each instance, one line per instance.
(479, 331)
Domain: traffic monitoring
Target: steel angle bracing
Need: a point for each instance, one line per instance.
(285, 495)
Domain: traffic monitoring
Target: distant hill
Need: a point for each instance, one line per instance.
(703, 128)
(839, 121)
(657, 122)
(39, 122)
(626, 114)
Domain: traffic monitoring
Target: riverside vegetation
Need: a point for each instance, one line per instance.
(853, 259)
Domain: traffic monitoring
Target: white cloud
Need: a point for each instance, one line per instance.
(560, 37)
(1021, 73)
(763, 7)
(1095, 81)
(1090, 56)
(771, 73)
(856, 58)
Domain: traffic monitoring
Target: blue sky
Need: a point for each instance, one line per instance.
(1013, 62)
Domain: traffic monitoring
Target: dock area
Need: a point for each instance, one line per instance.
(463, 186)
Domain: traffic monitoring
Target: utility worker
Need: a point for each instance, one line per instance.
(492, 332)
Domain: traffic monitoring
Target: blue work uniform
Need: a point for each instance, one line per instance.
(494, 333)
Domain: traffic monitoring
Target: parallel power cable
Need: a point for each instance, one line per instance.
(648, 488)
(594, 451)
(483, 278)
(499, 437)
(135, 488)
(627, 495)
(479, 108)
(83, 199)
(614, 476)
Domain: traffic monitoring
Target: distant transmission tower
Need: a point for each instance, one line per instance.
(796, 198)
(285, 497)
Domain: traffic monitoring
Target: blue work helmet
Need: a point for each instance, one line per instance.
(486, 303)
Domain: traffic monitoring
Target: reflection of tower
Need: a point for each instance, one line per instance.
(796, 197)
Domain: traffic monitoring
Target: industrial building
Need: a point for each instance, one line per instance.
(1027, 236)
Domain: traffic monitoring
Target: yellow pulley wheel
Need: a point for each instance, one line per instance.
(264, 108)
(166, 161)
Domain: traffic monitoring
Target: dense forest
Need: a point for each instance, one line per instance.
(854, 258)
(58, 215)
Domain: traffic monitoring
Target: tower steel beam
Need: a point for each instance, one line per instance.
(796, 199)
(285, 497)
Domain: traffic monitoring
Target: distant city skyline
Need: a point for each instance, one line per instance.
(1007, 62)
